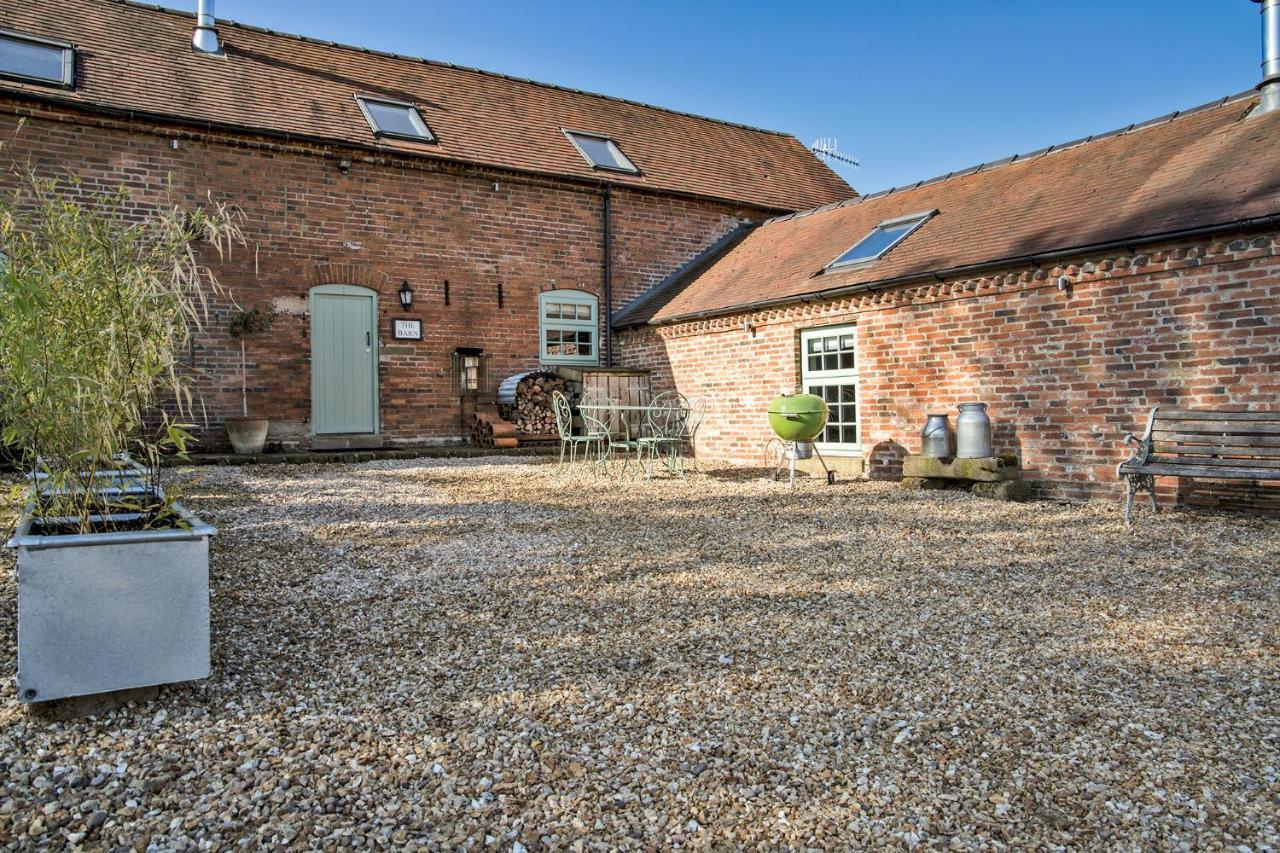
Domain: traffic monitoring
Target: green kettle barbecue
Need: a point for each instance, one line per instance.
(797, 419)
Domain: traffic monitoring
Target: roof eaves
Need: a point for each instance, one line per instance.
(204, 125)
(1271, 220)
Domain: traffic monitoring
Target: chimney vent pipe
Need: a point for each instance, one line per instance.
(1270, 85)
(205, 38)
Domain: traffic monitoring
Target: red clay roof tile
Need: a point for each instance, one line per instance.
(139, 58)
(1205, 167)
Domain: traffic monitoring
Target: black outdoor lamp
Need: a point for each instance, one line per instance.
(406, 295)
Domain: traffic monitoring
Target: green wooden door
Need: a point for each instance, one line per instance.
(344, 359)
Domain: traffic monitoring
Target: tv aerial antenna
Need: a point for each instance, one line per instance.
(829, 147)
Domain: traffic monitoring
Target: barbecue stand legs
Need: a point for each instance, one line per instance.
(789, 457)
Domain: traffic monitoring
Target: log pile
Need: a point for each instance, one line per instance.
(533, 412)
(488, 429)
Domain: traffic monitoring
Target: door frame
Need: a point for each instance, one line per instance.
(346, 290)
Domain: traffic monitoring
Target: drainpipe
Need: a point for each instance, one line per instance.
(1270, 85)
(205, 38)
(608, 272)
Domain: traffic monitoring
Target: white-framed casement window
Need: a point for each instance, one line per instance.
(829, 369)
(569, 326)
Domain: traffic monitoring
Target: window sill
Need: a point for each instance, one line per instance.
(842, 452)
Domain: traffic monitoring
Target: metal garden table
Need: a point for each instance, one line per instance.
(631, 429)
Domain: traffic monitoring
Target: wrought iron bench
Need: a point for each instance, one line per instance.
(1215, 445)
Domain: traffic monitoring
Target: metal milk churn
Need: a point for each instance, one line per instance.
(973, 432)
(935, 438)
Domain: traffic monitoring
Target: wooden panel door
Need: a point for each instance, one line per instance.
(344, 360)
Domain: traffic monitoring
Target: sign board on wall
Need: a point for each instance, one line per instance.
(406, 330)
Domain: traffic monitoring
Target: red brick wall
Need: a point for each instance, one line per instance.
(1066, 374)
(386, 221)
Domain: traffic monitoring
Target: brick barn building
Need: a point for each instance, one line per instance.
(1071, 289)
(497, 201)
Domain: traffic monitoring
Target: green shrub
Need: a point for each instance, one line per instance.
(97, 307)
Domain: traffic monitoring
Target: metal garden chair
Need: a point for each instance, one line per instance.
(592, 441)
(667, 418)
(618, 423)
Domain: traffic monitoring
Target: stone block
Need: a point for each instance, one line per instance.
(988, 470)
(927, 483)
(846, 467)
(1007, 490)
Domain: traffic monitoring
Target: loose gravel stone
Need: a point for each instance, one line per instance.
(485, 654)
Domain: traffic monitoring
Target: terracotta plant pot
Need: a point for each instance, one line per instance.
(248, 435)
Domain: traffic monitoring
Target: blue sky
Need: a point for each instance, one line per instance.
(912, 89)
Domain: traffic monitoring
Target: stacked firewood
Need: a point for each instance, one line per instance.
(533, 412)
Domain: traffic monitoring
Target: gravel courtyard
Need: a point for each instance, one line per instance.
(480, 654)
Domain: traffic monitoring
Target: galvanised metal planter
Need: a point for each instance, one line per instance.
(111, 611)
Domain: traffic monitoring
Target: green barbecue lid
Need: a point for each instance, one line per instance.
(796, 404)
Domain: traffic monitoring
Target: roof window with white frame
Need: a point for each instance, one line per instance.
(601, 152)
(882, 238)
(396, 119)
(32, 59)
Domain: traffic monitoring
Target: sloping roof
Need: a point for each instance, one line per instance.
(1204, 167)
(138, 58)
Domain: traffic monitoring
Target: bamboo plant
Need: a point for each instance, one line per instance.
(99, 299)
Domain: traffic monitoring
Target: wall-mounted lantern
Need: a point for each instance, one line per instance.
(406, 295)
(469, 369)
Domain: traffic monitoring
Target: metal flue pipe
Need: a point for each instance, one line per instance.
(205, 38)
(1270, 85)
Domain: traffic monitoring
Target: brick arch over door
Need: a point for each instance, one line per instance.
(343, 272)
(344, 360)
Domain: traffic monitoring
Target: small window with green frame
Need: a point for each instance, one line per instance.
(569, 327)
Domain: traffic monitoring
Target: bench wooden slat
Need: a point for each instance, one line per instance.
(1224, 461)
(1217, 439)
(1222, 473)
(1215, 415)
(1216, 427)
(1183, 449)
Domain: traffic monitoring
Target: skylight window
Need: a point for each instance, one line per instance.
(882, 238)
(32, 59)
(601, 152)
(395, 118)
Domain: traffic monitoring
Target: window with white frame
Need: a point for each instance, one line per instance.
(569, 325)
(829, 369)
